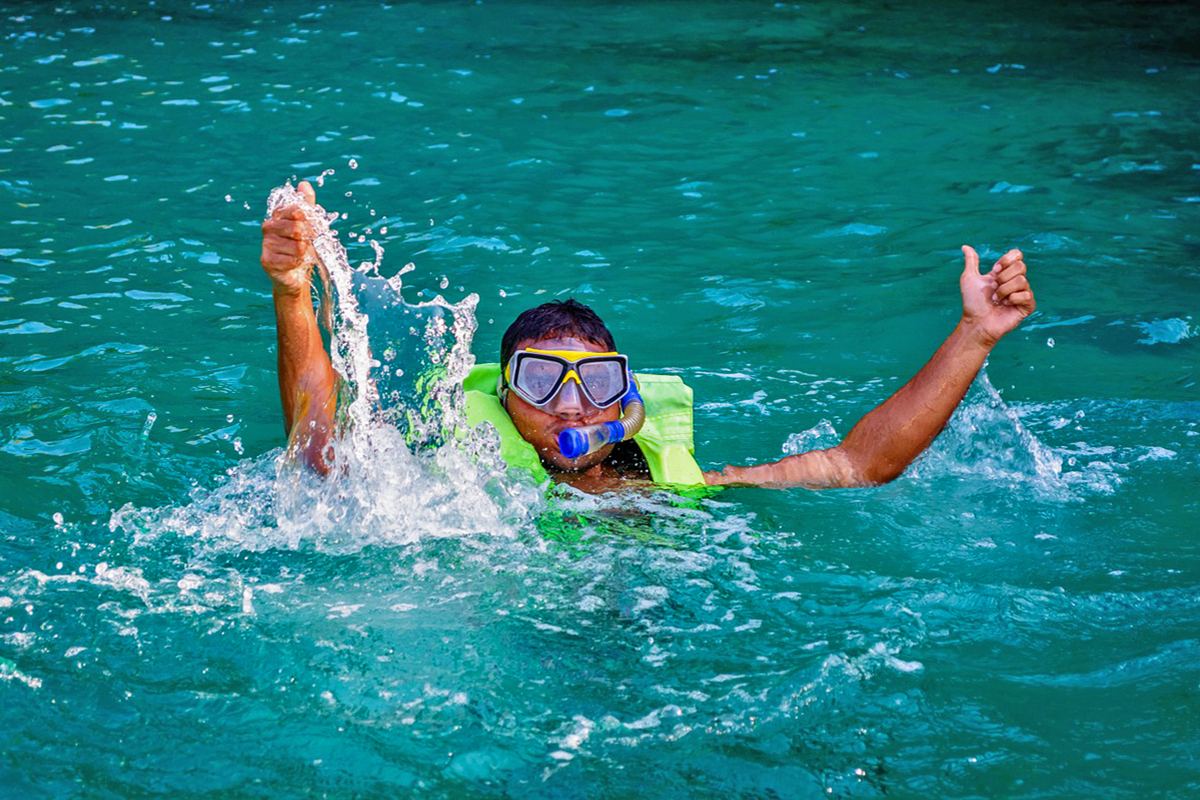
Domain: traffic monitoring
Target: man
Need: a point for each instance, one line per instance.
(877, 449)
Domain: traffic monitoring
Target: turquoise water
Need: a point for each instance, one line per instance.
(766, 199)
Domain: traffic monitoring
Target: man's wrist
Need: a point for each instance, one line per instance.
(976, 335)
(288, 293)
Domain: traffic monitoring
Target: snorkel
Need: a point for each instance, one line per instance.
(577, 442)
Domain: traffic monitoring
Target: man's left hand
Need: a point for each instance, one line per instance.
(995, 302)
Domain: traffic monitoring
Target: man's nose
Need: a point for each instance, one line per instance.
(569, 402)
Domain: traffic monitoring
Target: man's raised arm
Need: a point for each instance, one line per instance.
(307, 382)
(885, 441)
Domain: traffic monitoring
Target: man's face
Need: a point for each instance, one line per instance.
(540, 426)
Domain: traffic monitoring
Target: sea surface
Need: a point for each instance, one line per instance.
(766, 199)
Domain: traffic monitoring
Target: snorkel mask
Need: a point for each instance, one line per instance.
(538, 376)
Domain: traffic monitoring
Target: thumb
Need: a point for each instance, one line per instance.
(310, 195)
(971, 267)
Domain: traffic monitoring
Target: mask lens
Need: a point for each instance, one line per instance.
(603, 380)
(538, 378)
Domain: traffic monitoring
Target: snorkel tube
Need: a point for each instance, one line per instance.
(576, 442)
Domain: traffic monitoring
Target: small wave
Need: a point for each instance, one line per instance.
(988, 440)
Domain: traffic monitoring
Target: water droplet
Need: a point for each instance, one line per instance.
(444, 282)
(228, 198)
(1050, 342)
(349, 194)
(503, 293)
(237, 445)
(383, 230)
(58, 518)
(353, 164)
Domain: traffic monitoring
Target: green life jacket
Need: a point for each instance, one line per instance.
(665, 439)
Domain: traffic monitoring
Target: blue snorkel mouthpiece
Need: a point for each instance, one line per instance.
(577, 442)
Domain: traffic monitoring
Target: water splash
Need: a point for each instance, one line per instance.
(820, 436)
(426, 345)
(987, 438)
(406, 465)
(406, 461)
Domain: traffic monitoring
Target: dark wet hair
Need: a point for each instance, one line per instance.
(556, 318)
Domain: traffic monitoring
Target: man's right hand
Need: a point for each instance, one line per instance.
(287, 251)
(307, 382)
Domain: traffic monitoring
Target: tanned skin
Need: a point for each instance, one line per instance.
(877, 450)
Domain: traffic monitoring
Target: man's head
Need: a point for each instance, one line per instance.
(559, 318)
(559, 325)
